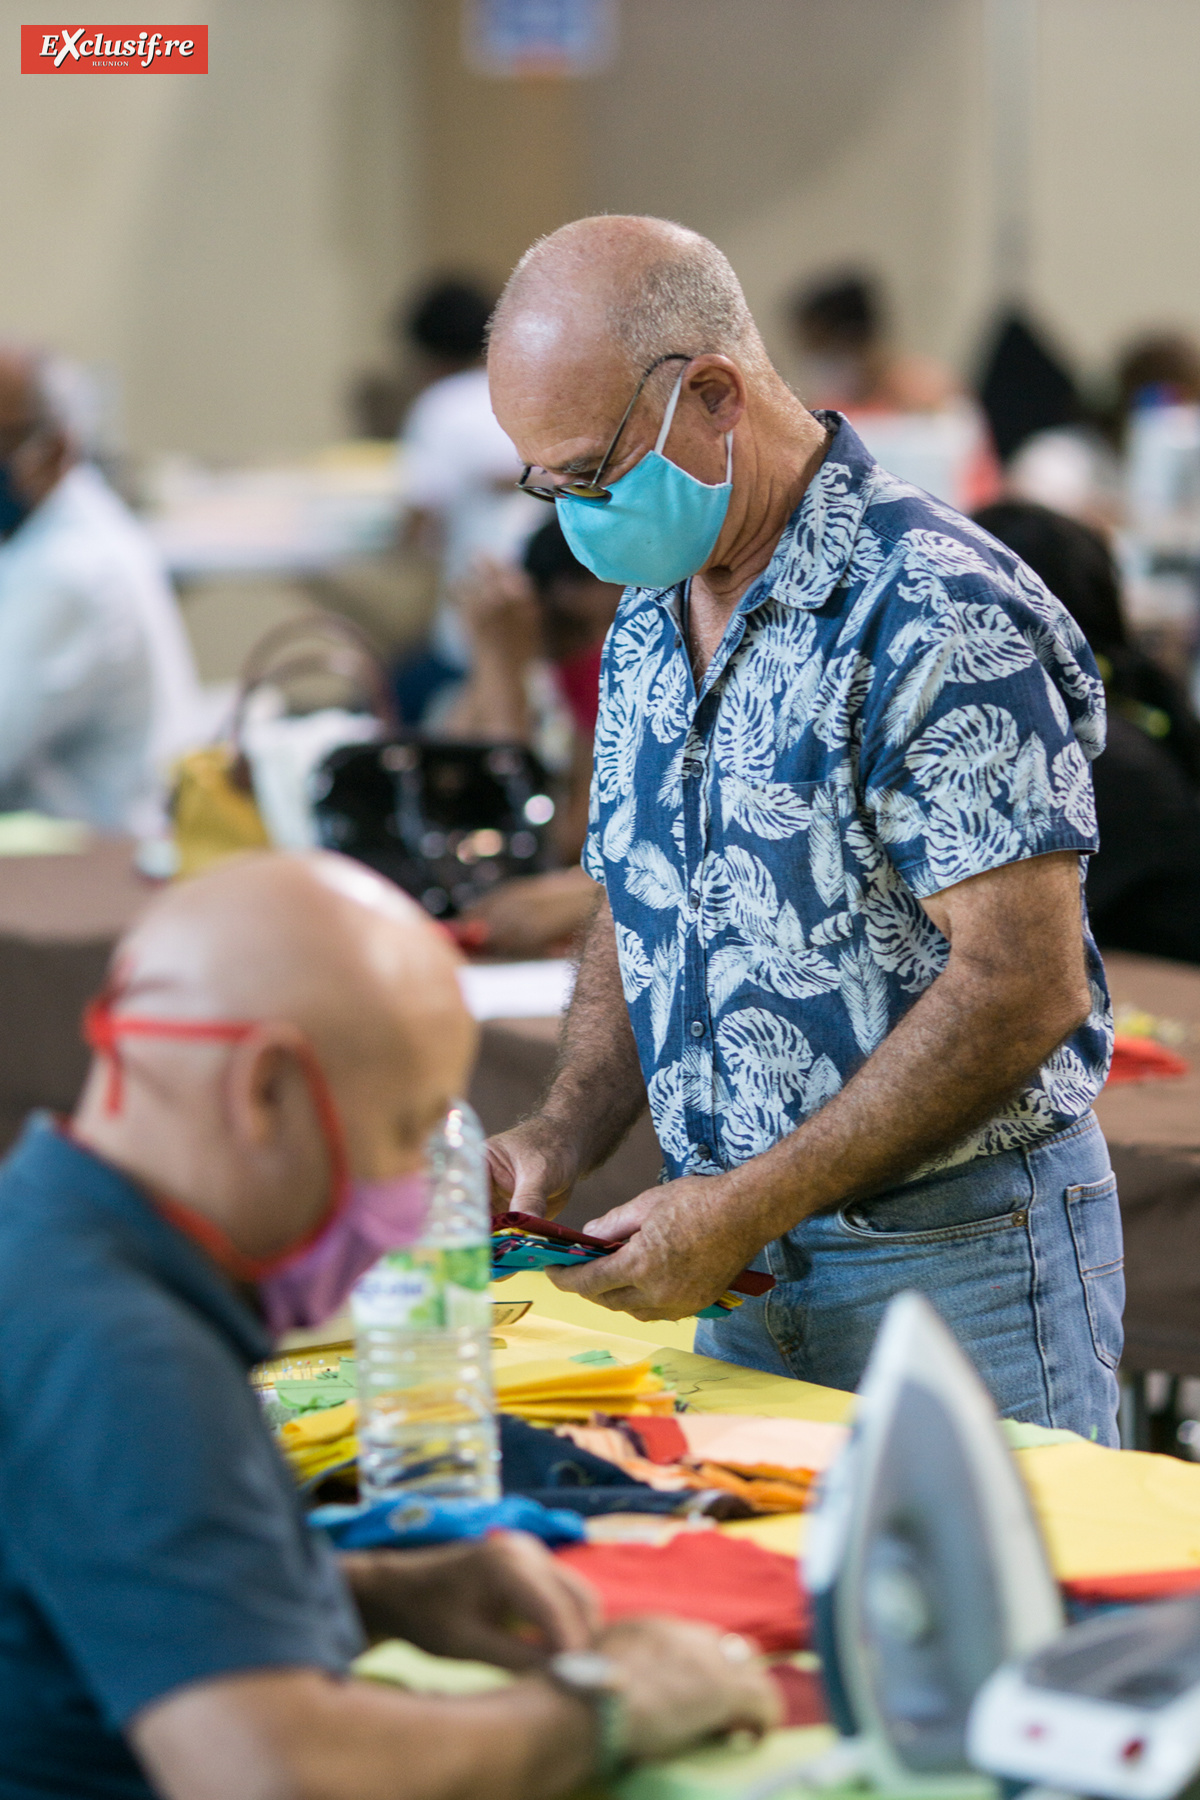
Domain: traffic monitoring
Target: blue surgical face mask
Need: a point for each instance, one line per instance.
(14, 509)
(660, 525)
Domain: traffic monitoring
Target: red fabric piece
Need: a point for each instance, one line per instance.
(1161, 1585)
(662, 1440)
(722, 1581)
(803, 1695)
(579, 678)
(1141, 1059)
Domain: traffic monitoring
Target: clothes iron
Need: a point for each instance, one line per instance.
(924, 1563)
(1112, 1707)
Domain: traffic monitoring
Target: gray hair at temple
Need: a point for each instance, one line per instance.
(673, 289)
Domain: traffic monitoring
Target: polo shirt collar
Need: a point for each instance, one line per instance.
(67, 1175)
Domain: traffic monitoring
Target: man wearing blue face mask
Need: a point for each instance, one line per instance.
(98, 690)
(840, 811)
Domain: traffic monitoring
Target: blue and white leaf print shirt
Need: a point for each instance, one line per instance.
(897, 703)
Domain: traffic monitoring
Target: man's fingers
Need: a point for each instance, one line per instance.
(559, 1603)
(591, 1279)
(619, 1224)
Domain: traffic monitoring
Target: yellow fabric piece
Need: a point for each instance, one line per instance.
(573, 1309)
(561, 1391)
(1114, 1512)
(319, 1427)
(545, 1380)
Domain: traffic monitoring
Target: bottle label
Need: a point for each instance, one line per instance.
(427, 1290)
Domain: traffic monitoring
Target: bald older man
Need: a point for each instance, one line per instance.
(98, 690)
(840, 813)
(279, 1038)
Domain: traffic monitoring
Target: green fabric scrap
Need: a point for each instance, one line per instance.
(405, 1666)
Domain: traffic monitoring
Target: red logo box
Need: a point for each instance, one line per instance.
(114, 50)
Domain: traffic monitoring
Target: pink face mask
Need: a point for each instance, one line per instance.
(378, 1216)
(305, 1284)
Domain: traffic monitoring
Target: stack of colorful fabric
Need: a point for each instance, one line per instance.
(769, 1463)
(565, 1391)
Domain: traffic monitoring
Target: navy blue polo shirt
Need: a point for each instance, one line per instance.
(150, 1533)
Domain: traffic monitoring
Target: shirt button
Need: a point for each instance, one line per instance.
(704, 1152)
(697, 1027)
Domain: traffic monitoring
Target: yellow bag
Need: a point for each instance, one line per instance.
(213, 808)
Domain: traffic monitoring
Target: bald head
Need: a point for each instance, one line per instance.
(645, 286)
(322, 958)
(318, 941)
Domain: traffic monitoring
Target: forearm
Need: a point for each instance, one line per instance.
(533, 1742)
(597, 1092)
(952, 1061)
(292, 1735)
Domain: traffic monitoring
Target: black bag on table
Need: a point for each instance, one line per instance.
(445, 821)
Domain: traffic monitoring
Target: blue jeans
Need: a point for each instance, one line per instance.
(1020, 1253)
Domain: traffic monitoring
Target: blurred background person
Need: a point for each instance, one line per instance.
(1160, 368)
(459, 473)
(537, 633)
(909, 410)
(98, 690)
(1143, 886)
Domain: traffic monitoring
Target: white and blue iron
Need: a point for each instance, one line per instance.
(924, 1562)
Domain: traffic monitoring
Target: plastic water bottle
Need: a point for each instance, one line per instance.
(426, 1412)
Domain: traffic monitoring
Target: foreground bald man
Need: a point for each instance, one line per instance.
(98, 690)
(840, 810)
(279, 1039)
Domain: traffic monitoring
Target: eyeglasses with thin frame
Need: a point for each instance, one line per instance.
(592, 490)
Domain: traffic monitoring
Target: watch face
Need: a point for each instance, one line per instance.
(586, 1670)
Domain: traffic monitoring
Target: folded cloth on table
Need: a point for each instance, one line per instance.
(1141, 1059)
(596, 1503)
(768, 1463)
(525, 1241)
(560, 1391)
(613, 1444)
(316, 1442)
(533, 1459)
(722, 1581)
(414, 1520)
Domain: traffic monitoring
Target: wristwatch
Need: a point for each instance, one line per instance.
(600, 1681)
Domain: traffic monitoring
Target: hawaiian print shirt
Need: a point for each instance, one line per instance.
(897, 704)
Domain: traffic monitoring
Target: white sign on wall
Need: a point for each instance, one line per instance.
(539, 37)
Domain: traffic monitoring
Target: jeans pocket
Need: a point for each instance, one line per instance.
(1094, 1217)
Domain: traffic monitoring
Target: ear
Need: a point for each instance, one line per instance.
(721, 387)
(262, 1080)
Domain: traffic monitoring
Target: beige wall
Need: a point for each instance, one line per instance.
(230, 243)
(801, 133)
(227, 242)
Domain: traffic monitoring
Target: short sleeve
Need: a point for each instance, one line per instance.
(147, 1514)
(977, 730)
